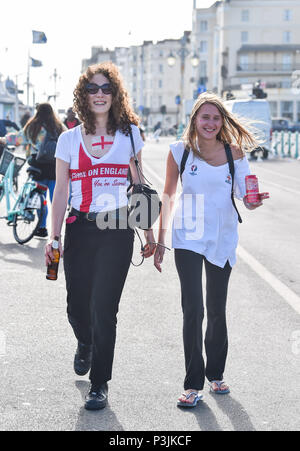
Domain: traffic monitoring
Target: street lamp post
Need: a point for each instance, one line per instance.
(182, 53)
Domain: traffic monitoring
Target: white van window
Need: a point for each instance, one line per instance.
(251, 110)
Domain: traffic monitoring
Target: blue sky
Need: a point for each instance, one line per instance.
(72, 28)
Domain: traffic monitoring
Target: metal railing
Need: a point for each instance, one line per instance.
(285, 144)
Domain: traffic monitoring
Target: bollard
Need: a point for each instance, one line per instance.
(276, 143)
(289, 153)
(297, 145)
(282, 144)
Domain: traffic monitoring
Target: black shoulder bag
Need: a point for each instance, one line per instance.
(144, 201)
(231, 170)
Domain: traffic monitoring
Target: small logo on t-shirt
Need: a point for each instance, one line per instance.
(194, 170)
(228, 180)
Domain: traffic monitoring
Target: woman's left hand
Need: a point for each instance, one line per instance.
(150, 246)
(252, 206)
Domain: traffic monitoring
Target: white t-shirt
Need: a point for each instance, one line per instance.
(98, 184)
(205, 220)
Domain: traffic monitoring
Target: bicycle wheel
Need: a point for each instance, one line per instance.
(25, 225)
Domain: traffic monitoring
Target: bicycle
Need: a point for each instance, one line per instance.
(29, 205)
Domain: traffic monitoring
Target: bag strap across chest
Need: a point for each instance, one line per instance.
(231, 170)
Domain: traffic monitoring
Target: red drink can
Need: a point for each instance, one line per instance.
(252, 189)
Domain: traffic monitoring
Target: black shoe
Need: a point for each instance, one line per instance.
(83, 359)
(97, 397)
(42, 232)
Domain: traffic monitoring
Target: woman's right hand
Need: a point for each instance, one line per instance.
(158, 257)
(49, 254)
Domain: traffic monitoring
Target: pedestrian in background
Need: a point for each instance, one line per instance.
(25, 118)
(33, 135)
(71, 120)
(213, 240)
(96, 259)
(3, 131)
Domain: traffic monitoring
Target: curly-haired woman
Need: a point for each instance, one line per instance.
(96, 156)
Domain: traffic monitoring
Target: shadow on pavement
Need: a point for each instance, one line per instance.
(103, 420)
(235, 412)
(232, 409)
(32, 256)
(204, 415)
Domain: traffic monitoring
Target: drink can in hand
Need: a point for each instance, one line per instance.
(252, 190)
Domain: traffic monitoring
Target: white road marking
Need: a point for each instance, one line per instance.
(280, 187)
(290, 177)
(283, 290)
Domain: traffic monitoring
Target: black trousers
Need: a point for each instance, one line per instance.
(189, 266)
(96, 264)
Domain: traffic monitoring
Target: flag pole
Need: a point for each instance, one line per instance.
(28, 77)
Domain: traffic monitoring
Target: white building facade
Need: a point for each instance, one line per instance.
(152, 84)
(242, 42)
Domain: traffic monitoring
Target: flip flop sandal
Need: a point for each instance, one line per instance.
(190, 404)
(218, 390)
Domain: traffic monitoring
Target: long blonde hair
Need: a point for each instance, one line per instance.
(232, 131)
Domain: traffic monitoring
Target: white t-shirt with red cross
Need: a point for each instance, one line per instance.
(98, 184)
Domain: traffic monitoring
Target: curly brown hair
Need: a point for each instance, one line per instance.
(121, 114)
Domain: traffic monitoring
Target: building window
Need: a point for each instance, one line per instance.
(160, 83)
(203, 46)
(161, 68)
(203, 68)
(244, 37)
(287, 15)
(286, 37)
(287, 62)
(286, 83)
(244, 62)
(298, 111)
(245, 15)
(203, 26)
(287, 110)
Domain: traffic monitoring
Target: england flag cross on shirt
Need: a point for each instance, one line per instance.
(87, 172)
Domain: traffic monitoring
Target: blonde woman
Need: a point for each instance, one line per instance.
(205, 231)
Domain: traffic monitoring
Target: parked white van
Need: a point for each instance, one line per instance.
(253, 110)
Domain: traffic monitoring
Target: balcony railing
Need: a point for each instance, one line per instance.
(267, 67)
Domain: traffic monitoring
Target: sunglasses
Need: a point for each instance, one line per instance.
(93, 88)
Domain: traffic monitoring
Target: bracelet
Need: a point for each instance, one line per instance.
(159, 244)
